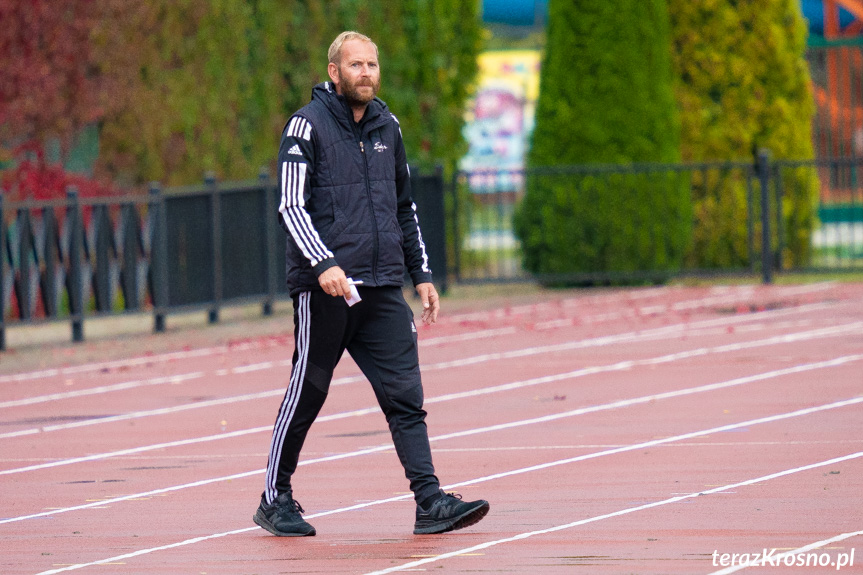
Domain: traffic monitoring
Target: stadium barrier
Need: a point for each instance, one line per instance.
(747, 218)
(180, 249)
(202, 247)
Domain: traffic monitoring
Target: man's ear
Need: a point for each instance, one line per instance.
(333, 71)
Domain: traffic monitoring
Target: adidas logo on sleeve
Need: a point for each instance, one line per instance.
(295, 150)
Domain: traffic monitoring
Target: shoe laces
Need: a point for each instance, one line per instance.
(291, 504)
(453, 495)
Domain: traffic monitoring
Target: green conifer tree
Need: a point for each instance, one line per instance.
(743, 84)
(605, 97)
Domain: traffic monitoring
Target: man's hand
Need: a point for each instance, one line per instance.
(334, 282)
(431, 302)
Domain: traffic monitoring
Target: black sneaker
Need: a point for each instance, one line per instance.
(449, 513)
(282, 517)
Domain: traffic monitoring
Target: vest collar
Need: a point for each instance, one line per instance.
(376, 114)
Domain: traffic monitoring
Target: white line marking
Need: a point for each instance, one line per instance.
(449, 397)
(466, 433)
(481, 334)
(264, 343)
(102, 389)
(806, 548)
(522, 536)
(497, 476)
(137, 361)
(595, 342)
(654, 333)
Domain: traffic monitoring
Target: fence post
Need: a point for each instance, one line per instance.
(2, 277)
(454, 218)
(129, 245)
(158, 256)
(435, 207)
(75, 285)
(216, 223)
(23, 229)
(763, 167)
(52, 263)
(270, 240)
(100, 251)
(780, 220)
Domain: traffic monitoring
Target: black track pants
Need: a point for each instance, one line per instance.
(380, 335)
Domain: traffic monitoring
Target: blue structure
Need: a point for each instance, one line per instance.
(515, 12)
(813, 11)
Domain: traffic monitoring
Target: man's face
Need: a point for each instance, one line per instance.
(357, 76)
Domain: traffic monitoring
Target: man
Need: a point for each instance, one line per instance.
(351, 224)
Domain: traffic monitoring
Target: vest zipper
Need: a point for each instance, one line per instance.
(372, 210)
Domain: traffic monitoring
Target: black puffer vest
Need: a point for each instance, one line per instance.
(354, 203)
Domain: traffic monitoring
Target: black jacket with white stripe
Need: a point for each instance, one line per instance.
(346, 196)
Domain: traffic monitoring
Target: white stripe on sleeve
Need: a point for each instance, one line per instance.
(425, 266)
(295, 216)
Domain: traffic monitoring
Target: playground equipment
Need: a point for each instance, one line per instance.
(836, 63)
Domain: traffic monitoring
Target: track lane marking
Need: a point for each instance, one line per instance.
(690, 328)
(267, 342)
(487, 429)
(654, 504)
(669, 330)
(179, 378)
(520, 471)
(842, 329)
(627, 364)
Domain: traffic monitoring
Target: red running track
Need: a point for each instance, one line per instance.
(661, 430)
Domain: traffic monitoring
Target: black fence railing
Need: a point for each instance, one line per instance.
(205, 246)
(193, 248)
(747, 218)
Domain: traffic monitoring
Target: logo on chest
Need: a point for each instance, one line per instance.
(380, 147)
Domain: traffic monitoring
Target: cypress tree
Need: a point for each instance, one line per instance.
(606, 97)
(743, 84)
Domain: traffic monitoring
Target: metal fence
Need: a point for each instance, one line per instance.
(206, 246)
(195, 248)
(746, 217)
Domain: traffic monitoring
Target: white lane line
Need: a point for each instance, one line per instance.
(692, 329)
(623, 365)
(221, 349)
(651, 334)
(137, 361)
(270, 342)
(720, 295)
(179, 378)
(659, 333)
(369, 410)
(520, 471)
(487, 429)
(643, 335)
(778, 559)
(480, 334)
(670, 500)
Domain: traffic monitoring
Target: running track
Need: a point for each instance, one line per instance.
(623, 431)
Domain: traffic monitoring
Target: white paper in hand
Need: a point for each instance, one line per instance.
(355, 295)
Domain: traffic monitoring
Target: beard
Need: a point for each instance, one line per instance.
(353, 95)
